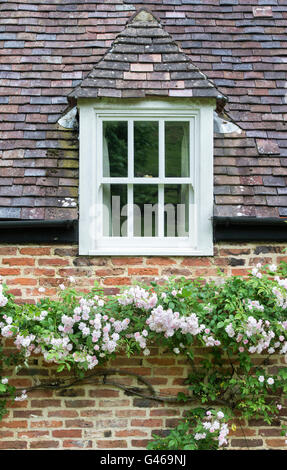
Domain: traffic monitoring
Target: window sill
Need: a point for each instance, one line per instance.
(149, 252)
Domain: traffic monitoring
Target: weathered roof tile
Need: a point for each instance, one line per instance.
(238, 45)
(162, 46)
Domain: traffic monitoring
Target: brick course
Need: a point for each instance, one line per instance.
(26, 268)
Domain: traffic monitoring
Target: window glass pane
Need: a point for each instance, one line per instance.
(115, 148)
(177, 148)
(115, 210)
(145, 210)
(176, 210)
(146, 148)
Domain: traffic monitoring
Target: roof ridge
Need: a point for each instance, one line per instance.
(150, 16)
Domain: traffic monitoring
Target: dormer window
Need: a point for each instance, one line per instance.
(146, 184)
(146, 148)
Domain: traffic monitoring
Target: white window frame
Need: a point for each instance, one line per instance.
(200, 114)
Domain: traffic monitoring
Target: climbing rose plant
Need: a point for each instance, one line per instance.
(240, 322)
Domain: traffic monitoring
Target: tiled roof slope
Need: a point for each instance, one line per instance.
(48, 48)
(145, 61)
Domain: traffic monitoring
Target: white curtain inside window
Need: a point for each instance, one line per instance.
(183, 222)
(107, 212)
(183, 212)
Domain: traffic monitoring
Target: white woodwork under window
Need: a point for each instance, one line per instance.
(146, 177)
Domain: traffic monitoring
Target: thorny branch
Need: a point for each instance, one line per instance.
(150, 393)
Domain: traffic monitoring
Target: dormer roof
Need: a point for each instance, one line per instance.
(144, 61)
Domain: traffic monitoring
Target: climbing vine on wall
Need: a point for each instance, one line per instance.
(240, 322)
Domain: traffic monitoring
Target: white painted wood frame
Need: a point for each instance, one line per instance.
(200, 181)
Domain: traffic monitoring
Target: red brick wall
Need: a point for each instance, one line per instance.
(100, 415)
(26, 268)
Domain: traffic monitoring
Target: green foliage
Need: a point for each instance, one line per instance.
(193, 433)
(234, 325)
